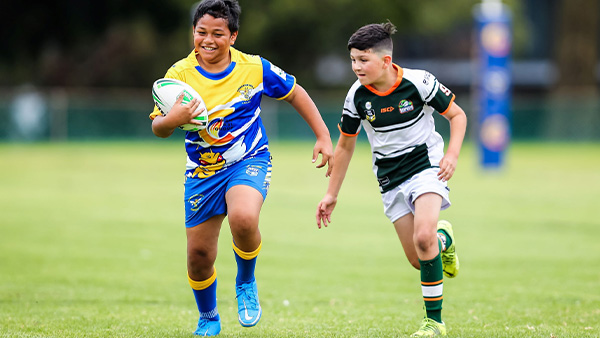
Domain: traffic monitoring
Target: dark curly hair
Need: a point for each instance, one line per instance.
(221, 9)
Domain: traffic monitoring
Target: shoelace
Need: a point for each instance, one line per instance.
(429, 325)
(203, 326)
(448, 258)
(246, 291)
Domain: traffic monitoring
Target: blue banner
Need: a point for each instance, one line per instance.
(493, 80)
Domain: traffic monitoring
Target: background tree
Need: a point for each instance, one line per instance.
(576, 52)
(85, 43)
(130, 43)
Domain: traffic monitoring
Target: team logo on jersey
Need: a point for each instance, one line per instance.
(195, 201)
(246, 92)
(218, 131)
(253, 170)
(209, 163)
(369, 111)
(405, 106)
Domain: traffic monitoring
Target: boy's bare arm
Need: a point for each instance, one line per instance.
(458, 126)
(304, 105)
(343, 154)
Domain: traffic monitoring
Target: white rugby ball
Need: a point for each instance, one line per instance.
(165, 93)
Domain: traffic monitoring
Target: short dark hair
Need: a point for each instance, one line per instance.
(221, 9)
(377, 36)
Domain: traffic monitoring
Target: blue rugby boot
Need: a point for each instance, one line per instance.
(208, 327)
(249, 310)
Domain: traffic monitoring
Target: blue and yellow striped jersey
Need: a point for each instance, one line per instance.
(235, 130)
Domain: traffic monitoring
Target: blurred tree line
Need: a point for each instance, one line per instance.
(131, 43)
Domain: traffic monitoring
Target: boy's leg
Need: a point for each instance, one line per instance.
(246, 192)
(202, 276)
(428, 248)
(249, 310)
(244, 204)
(205, 292)
(417, 232)
(405, 229)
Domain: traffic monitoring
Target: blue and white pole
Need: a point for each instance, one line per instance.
(493, 80)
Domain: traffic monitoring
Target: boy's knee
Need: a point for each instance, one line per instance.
(200, 259)
(424, 241)
(243, 224)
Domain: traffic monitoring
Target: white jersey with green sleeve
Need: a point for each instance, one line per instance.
(399, 124)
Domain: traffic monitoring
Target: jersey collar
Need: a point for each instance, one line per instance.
(221, 74)
(396, 84)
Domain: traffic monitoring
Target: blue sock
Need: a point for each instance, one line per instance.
(205, 293)
(246, 264)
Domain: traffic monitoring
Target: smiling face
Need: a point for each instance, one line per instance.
(212, 39)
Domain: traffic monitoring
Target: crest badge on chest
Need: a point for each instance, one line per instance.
(369, 111)
(406, 106)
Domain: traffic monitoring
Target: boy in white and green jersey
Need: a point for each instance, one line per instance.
(395, 107)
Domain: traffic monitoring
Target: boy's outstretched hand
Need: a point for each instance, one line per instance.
(325, 148)
(324, 210)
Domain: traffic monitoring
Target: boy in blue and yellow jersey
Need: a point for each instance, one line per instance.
(395, 107)
(228, 166)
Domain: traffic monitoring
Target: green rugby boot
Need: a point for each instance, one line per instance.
(430, 328)
(449, 257)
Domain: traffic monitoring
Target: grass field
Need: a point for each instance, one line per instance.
(92, 245)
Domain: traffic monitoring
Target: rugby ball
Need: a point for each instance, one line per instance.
(165, 93)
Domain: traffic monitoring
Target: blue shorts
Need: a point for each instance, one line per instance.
(205, 197)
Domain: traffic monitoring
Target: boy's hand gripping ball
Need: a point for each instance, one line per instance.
(165, 93)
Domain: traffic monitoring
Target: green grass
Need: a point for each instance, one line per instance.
(92, 244)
